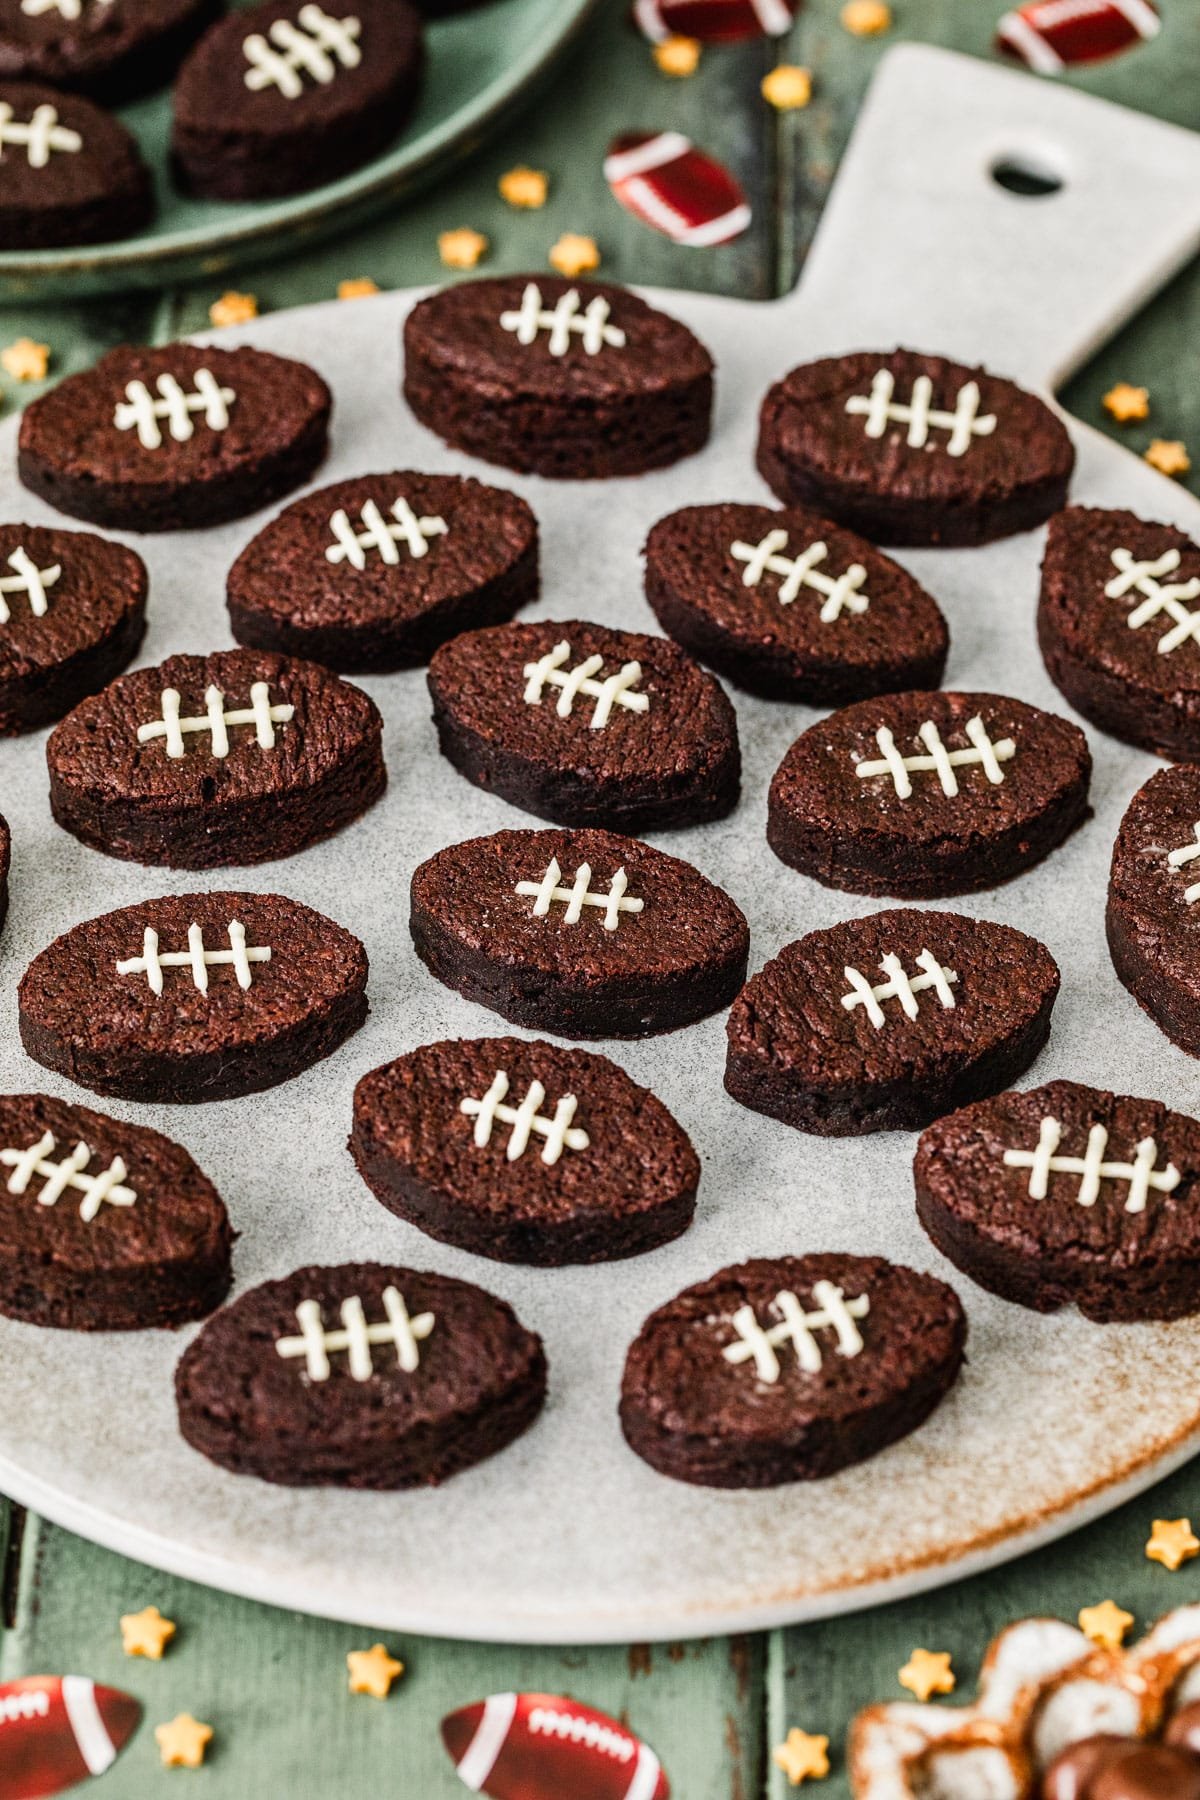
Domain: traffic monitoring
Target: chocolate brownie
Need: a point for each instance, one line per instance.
(72, 616)
(912, 449)
(581, 933)
(922, 795)
(193, 997)
(1067, 1195)
(1117, 623)
(789, 1369)
(72, 173)
(1106, 1767)
(174, 437)
(524, 1151)
(882, 1023)
(557, 378)
(114, 50)
(791, 606)
(105, 1226)
(360, 1376)
(587, 726)
(207, 761)
(373, 574)
(1153, 915)
(290, 95)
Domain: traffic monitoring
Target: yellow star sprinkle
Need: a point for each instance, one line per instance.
(525, 187)
(678, 55)
(927, 1672)
(1169, 456)
(1172, 1543)
(1126, 402)
(463, 248)
(802, 1757)
(146, 1633)
(787, 88)
(1105, 1624)
(26, 360)
(357, 287)
(574, 255)
(182, 1742)
(866, 18)
(373, 1671)
(233, 309)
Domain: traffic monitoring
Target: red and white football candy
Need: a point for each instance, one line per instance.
(663, 180)
(545, 1747)
(56, 1730)
(714, 21)
(1050, 34)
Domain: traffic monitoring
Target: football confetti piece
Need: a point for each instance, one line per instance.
(546, 1747)
(58, 1730)
(1049, 35)
(714, 21)
(663, 180)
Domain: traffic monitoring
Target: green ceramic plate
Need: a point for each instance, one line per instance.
(481, 65)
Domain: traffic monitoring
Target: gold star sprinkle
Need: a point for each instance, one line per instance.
(358, 287)
(182, 1742)
(373, 1671)
(1105, 1624)
(678, 55)
(801, 1757)
(927, 1672)
(233, 309)
(1125, 402)
(146, 1633)
(1172, 1543)
(574, 255)
(463, 248)
(525, 187)
(1169, 456)
(26, 360)
(787, 88)
(866, 18)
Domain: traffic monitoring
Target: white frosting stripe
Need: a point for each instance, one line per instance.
(526, 1120)
(565, 321)
(843, 591)
(39, 136)
(216, 721)
(141, 412)
(1092, 1168)
(356, 1338)
(317, 46)
(549, 889)
(985, 752)
(834, 1312)
(610, 692)
(920, 415)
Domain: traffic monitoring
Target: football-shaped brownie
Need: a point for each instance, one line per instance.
(1066, 1195)
(114, 50)
(168, 438)
(208, 761)
(524, 1151)
(790, 606)
(912, 449)
(883, 1023)
(105, 1226)
(549, 1747)
(291, 94)
(921, 795)
(373, 574)
(581, 933)
(72, 615)
(1119, 626)
(789, 1369)
(72, 173)
(1110, 1767)
(587, 726)
(56, 1730)
(1153, 912)
(194, 997)
(359, 1376)
(557, 378)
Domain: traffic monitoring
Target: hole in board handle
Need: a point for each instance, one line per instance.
(1030, 177)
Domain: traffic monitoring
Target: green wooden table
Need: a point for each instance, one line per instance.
(274, 1684)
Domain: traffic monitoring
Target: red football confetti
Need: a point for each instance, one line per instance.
(545, 1747)
(56, 1730)
(714, 21)
(663, 180)
(1050, 34)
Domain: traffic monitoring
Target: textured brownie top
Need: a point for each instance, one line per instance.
(472, 535)
(692, 550)
(817, 781)
(48, 46)
(806, 419)
(89, 154)
(175, 1213)
(1150, 890)
(90, 429)
(677, 1371)
(54, 616)
(459, 332)
(116, 745)
(683, 923)
(635, 1158)
(505, 684)
(960, 1161)
(75, 990)
(1127, 633)
(980, 985)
